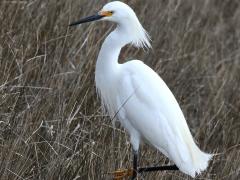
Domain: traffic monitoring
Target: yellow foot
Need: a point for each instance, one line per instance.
(121, 174)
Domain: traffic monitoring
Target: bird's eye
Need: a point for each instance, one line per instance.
(111, 12)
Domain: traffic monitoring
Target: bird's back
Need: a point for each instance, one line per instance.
(154, 112)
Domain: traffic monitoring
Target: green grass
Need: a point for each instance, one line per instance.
(51, 124)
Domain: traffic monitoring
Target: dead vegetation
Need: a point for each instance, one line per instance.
(51, 125)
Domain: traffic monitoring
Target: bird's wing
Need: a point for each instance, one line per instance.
(152, 109)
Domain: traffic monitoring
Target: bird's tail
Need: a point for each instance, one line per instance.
(199, 162)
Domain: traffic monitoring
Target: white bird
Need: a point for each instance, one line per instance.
(145, 106)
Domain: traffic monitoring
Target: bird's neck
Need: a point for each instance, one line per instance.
(107, 60)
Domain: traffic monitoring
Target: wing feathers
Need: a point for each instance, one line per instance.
(154, 112)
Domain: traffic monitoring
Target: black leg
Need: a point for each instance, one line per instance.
(135, 164)
(158, 168)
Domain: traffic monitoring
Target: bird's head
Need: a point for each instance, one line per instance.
(126, 19)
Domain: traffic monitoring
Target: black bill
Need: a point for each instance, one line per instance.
(87, 19)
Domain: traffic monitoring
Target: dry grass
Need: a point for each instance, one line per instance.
(51, 125)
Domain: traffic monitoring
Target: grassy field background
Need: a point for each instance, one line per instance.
(51, 124)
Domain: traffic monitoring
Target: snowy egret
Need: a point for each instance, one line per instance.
(145, 106)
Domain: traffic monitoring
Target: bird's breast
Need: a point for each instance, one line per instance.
(107, 91)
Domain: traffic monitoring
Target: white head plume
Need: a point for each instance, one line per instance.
(126, 18)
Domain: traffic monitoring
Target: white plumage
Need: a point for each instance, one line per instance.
(144, 104)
